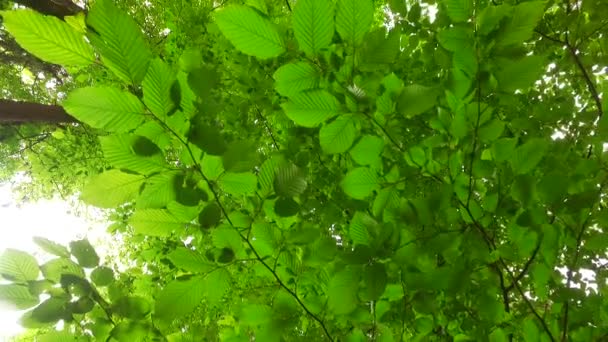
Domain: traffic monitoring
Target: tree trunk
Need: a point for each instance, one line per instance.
(56, 8)
(21, 112)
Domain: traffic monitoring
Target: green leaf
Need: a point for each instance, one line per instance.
(293, 78)
(179, 298)
(217, 284)
(520, 27)
(491, 130)
(458, 10)
(416, 99)
(158, 191)
(359, 229)
(54, 269)
(530, 330)
(212, 167)
(313, 25)
(84, 253)
(240, 156)
(342, 292)
(360, 182)
(249, 32)
(50, 311)
(286, 207)
(489, 17)
(18, 266)
(155, 222)
(105, 108)
(156, 87)
(51, 247)
(456, 38)
(354, 20)
(17, 297)
(339, 135)
(48, 38)
(111, 189)
(520, 74)
(238, 184)
(289, 181)
(263, 238)
(210, 216)
(375, 279)
(133, 153)
(133, 307)
(102, 276)
(503, 148)
(311, 108)
(205, 136)
(368, 150)
(380, 48)
(528, 155)
(119, 40)
(189, 260)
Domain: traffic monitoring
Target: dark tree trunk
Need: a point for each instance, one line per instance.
(56, 8)
(20, 112)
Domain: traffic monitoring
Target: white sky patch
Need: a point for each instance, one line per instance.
(52, 219)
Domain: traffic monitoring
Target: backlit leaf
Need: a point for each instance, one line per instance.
(359, 182)
(112, 188)
(48, 38)
(311, 108)
(354, 20)
(339, 135)
(313, 25)
(179, 298)
(119, 40)
(250, 32)
(105, 108)
(155, 222)
(18, 266)
(293, 78)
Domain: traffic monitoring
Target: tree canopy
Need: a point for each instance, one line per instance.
(317, 170)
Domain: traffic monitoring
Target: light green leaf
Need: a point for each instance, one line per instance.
(111, 189)
(520, 27)
(250, 32)
(155, 222)
(293, 78)
(313, 24)
(339, 135)
(48, 38)
(182, 212)
(238, 184)
(528, 155)
(359, 182)
(217, 284)
(267, 173)
(18, 266)
(156, 87)
(133, 153)
(17, 297)
(119, 40)
(354, 20)
(342, 292)
(489, 17)
(368, 150)
(51, 247)
(458, 10)
(158, 191)
(155, 133)
(179, 298)
(212, 166)
(189, 260)
(416, 99)
(530, 330)
(520, 74)
(311, 108)
(263, 238)
(289, 181)
(105, 108)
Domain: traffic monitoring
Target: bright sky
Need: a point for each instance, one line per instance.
(48, 218)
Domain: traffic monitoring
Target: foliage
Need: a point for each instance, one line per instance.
(320, 176)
